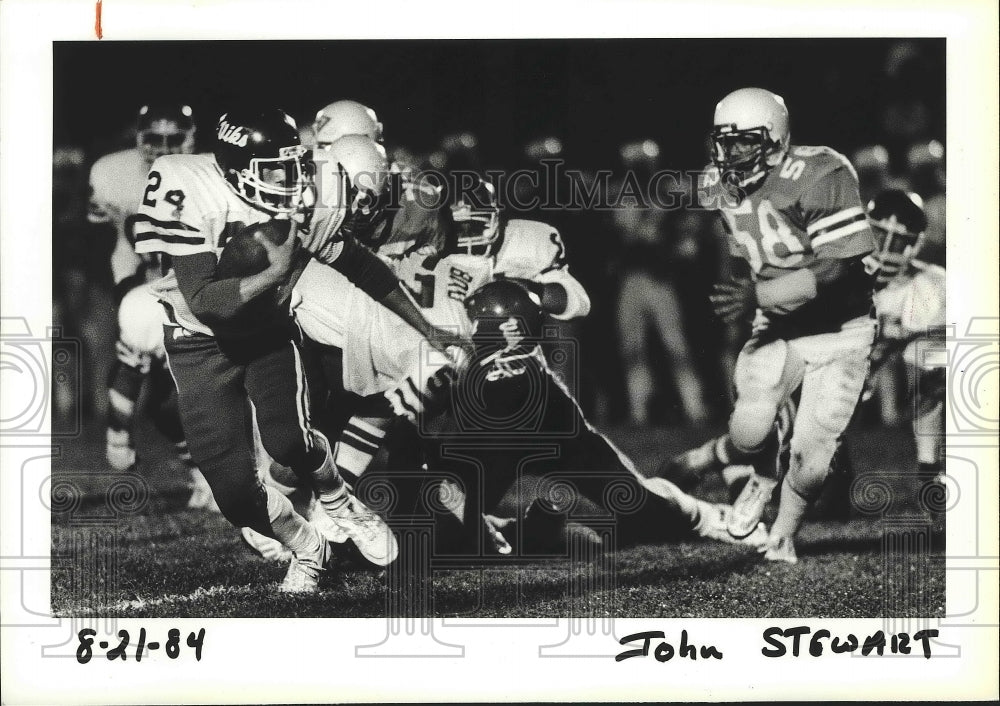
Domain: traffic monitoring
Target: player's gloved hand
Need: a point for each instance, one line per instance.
(119, 450)
(417, 394)
(735, 300)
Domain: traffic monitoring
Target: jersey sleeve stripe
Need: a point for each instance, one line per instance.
(848, 214)
(838, 233)
(170, 238)
(166, 225)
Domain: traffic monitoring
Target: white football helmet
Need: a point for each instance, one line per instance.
(352, 188)
(164, 129)
(750, 133)
(342, 118)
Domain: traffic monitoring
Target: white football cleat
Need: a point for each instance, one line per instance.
(304, 571)
(269, 548)
(749, 506)
(369, 532)
(780, 549)
(714, 521)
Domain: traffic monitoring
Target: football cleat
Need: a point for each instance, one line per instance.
(369, 532)
(713, 523)
(270, 549)
(304, 572)
(780, 549)
(687, 470)
(749, 506)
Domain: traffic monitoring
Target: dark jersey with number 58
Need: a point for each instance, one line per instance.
(805, 209)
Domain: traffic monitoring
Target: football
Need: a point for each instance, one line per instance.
(244, 255)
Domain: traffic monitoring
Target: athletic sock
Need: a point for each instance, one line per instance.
(358, 444)
(791, 510)
(289, 527)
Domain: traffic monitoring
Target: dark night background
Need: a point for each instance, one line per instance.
(591, 93)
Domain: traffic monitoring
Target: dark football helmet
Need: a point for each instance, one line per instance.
(898, 221)
(260, 155)
(476, 215)
(505, 316)
(164, 129)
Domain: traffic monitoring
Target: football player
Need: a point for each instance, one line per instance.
(507, 386)
(117, 182)
(910, 302)
(231, 340)
(345, 117)
(795, 221)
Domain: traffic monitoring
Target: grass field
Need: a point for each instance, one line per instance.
(145, 554)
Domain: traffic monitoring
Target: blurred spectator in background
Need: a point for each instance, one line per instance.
(925, 165)
(647, 300)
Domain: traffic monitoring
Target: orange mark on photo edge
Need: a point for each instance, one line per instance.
(97, 22)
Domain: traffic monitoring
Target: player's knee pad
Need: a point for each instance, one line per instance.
(752, 422)
(813, 447)
(140, 323)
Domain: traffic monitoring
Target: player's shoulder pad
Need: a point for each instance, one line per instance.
(183, 166)
(112, 165)
(931, 272)
(526, 230)
(817, 162)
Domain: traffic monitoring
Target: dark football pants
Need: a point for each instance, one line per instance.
(584, 474)
(214, 383)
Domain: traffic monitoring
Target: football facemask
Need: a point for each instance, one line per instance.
(275, 184)
(477, 221)
(164, 130)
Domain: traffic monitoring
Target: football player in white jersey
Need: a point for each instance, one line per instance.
(230, 337)
(117, 182)
(910, 303)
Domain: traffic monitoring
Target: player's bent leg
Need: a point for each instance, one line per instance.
(766, 375)
(830, 393)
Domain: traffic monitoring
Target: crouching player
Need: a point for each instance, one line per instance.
(506, 388)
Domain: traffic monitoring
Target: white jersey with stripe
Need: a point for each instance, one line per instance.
(528, 250)
(913, 303)
(117, 182)
(187, 207)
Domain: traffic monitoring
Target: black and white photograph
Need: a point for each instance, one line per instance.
(654, 352)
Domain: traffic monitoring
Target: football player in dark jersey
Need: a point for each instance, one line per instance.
(508, 414)
(796, 224)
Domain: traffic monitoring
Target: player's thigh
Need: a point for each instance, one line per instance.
(212, 406)
(276, 384)
(830, 393)
(765, 377)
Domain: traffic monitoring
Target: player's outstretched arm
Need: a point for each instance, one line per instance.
(372, 276)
